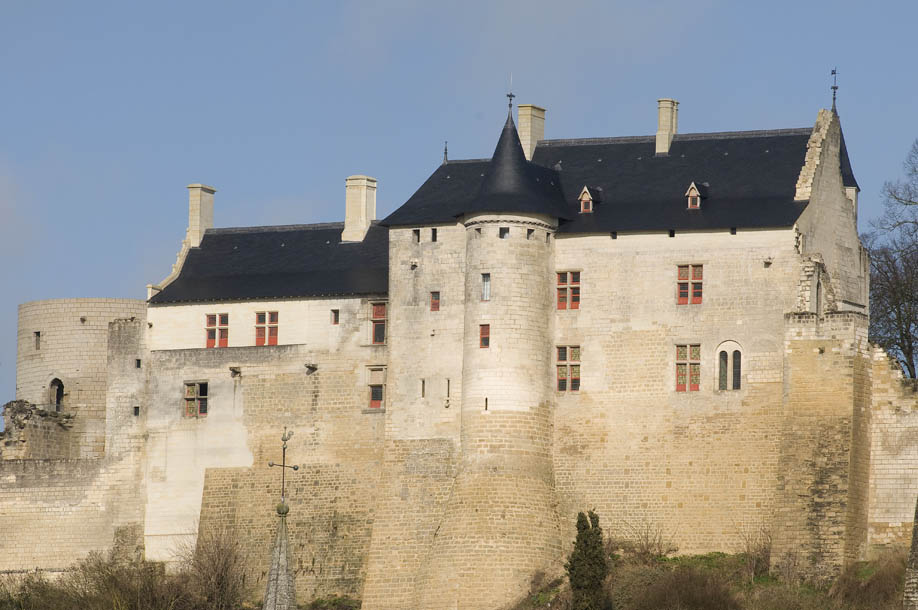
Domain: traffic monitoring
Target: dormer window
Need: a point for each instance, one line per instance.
(589, 197)
(695, 193)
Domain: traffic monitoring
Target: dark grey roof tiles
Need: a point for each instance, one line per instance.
(281, 262)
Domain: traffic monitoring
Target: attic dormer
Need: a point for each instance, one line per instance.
(695, 193)
(589, 197)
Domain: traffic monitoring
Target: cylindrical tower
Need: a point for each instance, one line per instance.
(501, 522)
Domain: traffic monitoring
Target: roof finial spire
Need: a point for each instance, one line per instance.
(834, 88)
(510, 95)
(445, 151)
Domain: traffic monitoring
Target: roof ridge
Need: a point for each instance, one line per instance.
(274, 228)
(712, 135)
(452, 161)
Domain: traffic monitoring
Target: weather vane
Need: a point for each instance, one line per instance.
(283, 465)
(834, 86)
(510, 95)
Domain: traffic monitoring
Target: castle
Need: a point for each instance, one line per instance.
(670, 330)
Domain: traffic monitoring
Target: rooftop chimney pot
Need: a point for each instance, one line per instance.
(531, 127)
(200, 212)
(360, 207)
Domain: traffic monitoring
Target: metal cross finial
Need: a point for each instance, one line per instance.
(445, 151)
(510, 95)
(834, 86)
(283, 465)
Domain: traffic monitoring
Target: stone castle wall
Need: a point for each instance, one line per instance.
(72, 347)
(893, 477)
(56, 511)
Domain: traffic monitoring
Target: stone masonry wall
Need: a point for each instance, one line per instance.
(699, 466)
(72, 348)
(894, 459)
(820, 520)
(213, 469)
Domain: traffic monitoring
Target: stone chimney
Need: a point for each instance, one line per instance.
(532, 127)
(667, 124)
(200, 212)
(360, 207)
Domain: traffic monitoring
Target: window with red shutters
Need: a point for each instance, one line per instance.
(266, 327)
(216, 329)
(688, 368)
(434, 301)
(568, 289)
(378, 323)
(484, 335)
(689, 284)
(376, 380)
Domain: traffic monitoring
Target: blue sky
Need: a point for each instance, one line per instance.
(108, 109)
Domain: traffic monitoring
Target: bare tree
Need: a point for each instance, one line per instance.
(893, 251)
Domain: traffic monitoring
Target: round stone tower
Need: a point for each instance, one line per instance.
(501, 522)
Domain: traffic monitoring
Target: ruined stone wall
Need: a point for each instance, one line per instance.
(829, 223)
(33, 433)
(699, 466)
(894, 459)
(72, 347)
(821, 518)
(213, 469)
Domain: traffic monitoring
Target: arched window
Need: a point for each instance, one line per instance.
(729, 366)
(737, 369)
(56, 394)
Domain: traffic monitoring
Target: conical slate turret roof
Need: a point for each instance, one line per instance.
(513, 184)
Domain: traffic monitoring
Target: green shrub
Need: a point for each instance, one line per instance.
(586, 566)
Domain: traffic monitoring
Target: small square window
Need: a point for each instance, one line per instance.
(136, 411)
(434, 301)
(568, 368)
(195, 399)
(433, 235)
(335, 316)
(688, 368)
(266, 327)
(37, 335)
(529, 233)
(378, 323)
(216, 330)
(417, 235)
(484, 335)
(137, 363)
(504, 232)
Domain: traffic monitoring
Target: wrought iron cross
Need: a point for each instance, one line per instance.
(834, 85)
(283, 465)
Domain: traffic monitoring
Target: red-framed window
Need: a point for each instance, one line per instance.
(568, 366)
(484, 335)
(689, 284)
(586, 204)
(376, 377)
(568, 289)
(688, 368)
(378, 323)
(694, 202)
(266, 328)
(195, 398)
(216, 328)
(435, 301)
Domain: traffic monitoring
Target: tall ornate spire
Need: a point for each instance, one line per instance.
(281, 591)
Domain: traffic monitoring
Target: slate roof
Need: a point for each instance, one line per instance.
(752, 177)
(281, 262)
